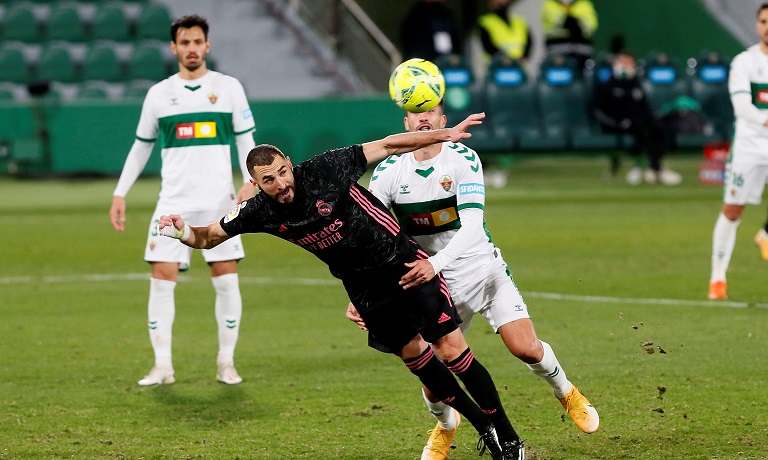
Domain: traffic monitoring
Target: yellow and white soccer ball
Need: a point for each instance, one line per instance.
(416, 85)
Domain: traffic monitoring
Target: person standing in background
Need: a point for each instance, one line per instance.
(568, 28)
(747, 170)
(502, 31)
(195, 114)
(429, 30)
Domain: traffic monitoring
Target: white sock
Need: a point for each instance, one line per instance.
(442, 412)
(229, 310)
(161, 312)
(549, 369)
(723, 241)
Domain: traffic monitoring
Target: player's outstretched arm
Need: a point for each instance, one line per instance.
(173, 226)
(395, 144)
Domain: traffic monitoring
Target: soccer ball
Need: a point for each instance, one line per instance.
(416, 85)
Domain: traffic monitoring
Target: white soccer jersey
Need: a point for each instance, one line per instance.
(749, 74)
(195, 121)
(427, 197)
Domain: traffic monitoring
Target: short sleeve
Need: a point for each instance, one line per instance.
(470, 191)
(243, 219)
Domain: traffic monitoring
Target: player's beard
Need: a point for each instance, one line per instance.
(192, 66)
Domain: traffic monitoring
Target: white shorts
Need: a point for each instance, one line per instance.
(164, 249)
(744, 181)
(487, 289)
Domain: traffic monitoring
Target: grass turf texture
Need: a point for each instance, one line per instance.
(74, 344)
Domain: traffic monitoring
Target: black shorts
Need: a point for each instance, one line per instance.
(393, 315)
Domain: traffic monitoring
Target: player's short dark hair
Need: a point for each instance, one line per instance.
(188, 22)
(262, 155)
(763, 6)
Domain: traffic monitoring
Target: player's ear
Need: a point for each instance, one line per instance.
(253, 182)
(288, 162)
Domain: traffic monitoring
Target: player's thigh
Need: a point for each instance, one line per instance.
(502, 301)
(232, 249)
(164, 249)
(744, 182)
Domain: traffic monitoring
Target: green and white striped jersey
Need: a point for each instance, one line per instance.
(426, 197)
(195, 121)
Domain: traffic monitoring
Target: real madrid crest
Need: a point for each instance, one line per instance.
(323, 208)
(446, 181)
(213, 97)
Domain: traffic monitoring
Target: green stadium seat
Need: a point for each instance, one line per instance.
(558, 81)
(110, 23)
(154, 22)
(137, 89)
(64, 23)
(511, 104)
(709, 86)
(463, 96)
(662, 80)
(101, 63)
(13, 65)
(19, 23)
(92, 91)
(147, 62)
(56, 64)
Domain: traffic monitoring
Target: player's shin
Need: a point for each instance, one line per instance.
(435, 376)
(480, 385)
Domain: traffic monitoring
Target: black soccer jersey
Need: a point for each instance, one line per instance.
(331, 216)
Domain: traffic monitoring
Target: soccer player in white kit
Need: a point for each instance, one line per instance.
(438, 196)
(194, 114)
(747, 169)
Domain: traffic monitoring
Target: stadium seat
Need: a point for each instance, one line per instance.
(558, 81)
(20, 24)
(6, 94)
(662, 80)
(55, 64)
(64, 23)
(511, 104)
(709, 86)
(154, 22)
(101, 63)
(464, 97)
(93, 91)
(147, 62)
(137, 89)
(110, 23)
(13, 65)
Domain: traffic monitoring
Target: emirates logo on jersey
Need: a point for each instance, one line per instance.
(446, 182)
(213, 97)
(323, 208)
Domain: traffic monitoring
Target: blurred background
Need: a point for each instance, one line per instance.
(73, 74)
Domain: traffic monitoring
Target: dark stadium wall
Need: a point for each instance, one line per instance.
(681, 28)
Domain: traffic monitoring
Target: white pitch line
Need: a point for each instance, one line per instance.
(333, 282)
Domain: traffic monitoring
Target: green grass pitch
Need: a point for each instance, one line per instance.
(615, 277)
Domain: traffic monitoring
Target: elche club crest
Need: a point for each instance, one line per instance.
(323, 208)
(446, 182)
(213, 97)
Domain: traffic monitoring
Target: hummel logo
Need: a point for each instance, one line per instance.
(443, 318)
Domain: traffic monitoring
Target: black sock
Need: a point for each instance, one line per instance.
(435, 376)
(480, 385)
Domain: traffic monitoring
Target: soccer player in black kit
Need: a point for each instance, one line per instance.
(319, 206)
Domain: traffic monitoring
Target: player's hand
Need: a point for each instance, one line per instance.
(117, 213)
(173, 226)
(459, 131)
(421, 272)
(245, 192)
(354, 316)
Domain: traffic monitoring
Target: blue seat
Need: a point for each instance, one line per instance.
(709, 86)
(511, 104)
(662, 79)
